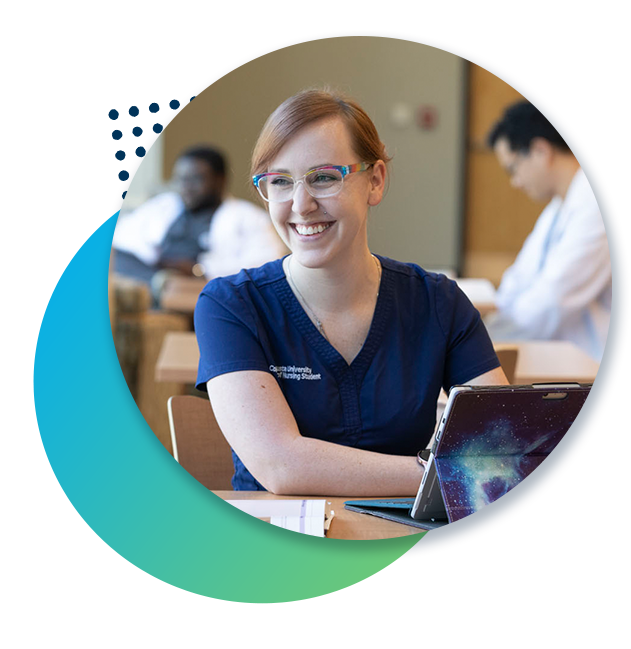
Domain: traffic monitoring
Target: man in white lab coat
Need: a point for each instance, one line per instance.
(559, 287)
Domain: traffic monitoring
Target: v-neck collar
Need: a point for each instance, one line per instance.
(322, 346)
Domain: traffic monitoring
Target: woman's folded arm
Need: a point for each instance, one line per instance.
(255, 418)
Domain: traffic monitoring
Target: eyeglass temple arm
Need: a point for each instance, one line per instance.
(359, 166)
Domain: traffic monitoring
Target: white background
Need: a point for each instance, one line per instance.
(47, 69)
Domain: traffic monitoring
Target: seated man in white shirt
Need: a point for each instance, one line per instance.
(195, 229)
(559, 287)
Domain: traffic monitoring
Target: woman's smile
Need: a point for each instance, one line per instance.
(312, 231)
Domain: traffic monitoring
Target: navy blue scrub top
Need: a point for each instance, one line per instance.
(425, 335)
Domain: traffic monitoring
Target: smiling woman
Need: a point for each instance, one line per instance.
(324, 368)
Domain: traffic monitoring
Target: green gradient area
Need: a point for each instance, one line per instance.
(130, 490)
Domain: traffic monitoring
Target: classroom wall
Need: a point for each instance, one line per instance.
(420, 219)
(449, 203)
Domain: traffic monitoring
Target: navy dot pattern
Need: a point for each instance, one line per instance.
(137, 131)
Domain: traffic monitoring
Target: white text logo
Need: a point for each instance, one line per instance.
(295, 373)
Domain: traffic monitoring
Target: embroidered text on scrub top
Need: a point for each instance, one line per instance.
(295, 373)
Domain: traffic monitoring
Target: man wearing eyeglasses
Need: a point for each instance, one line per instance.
(560, 284)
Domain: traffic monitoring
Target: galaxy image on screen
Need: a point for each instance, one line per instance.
(489, 447)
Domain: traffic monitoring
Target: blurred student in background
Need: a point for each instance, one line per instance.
(560, 284)
(195, 229)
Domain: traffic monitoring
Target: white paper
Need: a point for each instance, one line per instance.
(303, 516)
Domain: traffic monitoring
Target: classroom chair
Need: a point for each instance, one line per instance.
(198, 443)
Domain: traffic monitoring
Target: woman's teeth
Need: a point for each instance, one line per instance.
(312, 229)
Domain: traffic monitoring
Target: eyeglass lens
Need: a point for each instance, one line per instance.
(319, 183)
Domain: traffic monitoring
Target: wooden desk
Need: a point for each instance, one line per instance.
(542, 361)
(538, 361)
(345, 524)
(178, 359)
(180, 294)
(481, 292)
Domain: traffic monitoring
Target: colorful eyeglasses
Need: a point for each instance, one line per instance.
(278, 187)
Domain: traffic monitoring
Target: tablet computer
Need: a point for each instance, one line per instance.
(489, 439)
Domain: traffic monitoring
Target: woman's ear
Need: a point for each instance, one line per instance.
(377, 183)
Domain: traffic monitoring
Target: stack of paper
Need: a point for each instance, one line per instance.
(304, 516)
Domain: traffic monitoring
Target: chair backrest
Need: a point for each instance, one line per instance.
(198, 443)
(507, 356)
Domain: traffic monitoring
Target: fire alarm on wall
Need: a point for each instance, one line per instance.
(427, 117)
